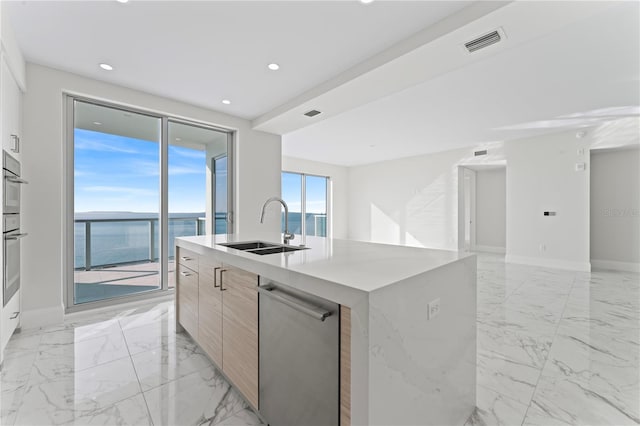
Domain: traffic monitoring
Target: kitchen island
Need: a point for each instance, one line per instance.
(401, 363)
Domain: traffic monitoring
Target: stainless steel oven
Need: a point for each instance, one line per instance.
(11, 226)
(12, 236)
(12, 184)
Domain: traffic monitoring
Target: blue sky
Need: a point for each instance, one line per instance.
(115, 173)
(315, 192)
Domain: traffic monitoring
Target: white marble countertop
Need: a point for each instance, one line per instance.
(353, 265)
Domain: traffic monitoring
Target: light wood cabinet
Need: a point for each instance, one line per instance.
(210, 309)
(217, 304)
(187, 295)
(240, 330)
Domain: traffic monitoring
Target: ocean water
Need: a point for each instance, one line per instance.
(129, 238)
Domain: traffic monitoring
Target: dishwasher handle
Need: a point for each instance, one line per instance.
(295, 303)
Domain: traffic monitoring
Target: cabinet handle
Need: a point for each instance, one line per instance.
(16, 143)
(15, 315)
(215, 276)
(221, 288)
(185, 258)
(185, 274)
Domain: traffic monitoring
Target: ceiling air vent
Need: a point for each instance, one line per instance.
(312, 113)
(479, 153)
(481, 42)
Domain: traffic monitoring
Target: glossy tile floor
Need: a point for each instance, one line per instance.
(119, 368)
(557, 347)
(554, 348)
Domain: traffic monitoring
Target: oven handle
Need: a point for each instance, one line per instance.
(15, 236)
(14, 179)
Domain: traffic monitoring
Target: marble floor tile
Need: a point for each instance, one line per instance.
(129, 412)
(577, 401)
(244, 417)
(161, 365)
(203, 397)
(16, 369)
(507, 377)
(57, 356)
(152, 336)
(515, 346)
(81, 393)
(554, 348)
(495, 409)
(10, 401)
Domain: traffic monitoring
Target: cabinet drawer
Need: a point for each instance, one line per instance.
(10, 319)
(188, 300)
(188, 258)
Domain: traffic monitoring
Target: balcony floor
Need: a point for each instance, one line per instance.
(120, 280)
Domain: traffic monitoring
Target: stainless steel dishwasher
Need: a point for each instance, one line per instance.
(299, 357)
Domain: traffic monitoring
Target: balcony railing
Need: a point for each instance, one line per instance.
(106, 242)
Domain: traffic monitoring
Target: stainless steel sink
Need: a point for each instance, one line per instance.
(261, 247)
(249, 245)
(273, 250)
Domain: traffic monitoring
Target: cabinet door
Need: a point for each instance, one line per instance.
(188, 299)
(11, 107)
(210, 309)
(240, 325)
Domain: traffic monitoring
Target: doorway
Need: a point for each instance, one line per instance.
(136, 180)
(482, 203)
(615, 209)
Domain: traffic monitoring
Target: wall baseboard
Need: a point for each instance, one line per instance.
(35, 318)
(490, 249)
(549, 263)
(615, 266)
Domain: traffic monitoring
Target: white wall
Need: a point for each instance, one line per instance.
(257, 161)
(414, 201)
(339, 188)
(491, 209)
(615, 209)
(541, 176)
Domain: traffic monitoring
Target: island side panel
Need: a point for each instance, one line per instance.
(345, 366)
(423, 371)
(360, 363)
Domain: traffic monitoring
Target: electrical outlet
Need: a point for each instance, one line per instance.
(433, 309)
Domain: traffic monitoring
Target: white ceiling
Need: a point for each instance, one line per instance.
(202, 52)
(578, 75)
(114, 121)
(391, 77)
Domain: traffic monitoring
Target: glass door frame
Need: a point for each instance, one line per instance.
(303, 202)
(68, 187)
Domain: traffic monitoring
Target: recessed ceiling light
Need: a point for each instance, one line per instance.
(97, 123)
(106, 67)
(366, 1)
(226, 101)
(273, 67)
(122, 1)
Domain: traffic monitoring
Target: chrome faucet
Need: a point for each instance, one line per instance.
(288, 236)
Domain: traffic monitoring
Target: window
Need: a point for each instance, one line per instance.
(306, 196)
(137, 180)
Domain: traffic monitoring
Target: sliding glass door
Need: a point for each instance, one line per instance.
(116, 202)
(138, 181)
(196, 189)
(307, 198)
